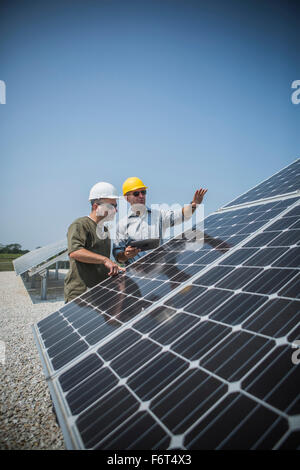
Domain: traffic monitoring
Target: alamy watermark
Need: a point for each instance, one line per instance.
(161, 218)
(2, 92)
(296, 354)
(296, 94)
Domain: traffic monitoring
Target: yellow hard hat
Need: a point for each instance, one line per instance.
(131, 184)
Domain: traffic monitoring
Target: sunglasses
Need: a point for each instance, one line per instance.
(136, 193)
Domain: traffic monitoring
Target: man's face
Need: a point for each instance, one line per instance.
(107, 208)
(138, 196)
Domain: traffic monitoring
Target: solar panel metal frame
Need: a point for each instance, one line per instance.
(45, 253)
(72, 437)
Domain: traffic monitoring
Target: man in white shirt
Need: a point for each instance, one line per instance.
(144, 223)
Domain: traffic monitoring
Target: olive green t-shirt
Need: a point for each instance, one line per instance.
(82, 234)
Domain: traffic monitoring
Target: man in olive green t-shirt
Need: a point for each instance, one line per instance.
(89, 244)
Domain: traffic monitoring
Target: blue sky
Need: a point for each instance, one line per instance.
(183, 94)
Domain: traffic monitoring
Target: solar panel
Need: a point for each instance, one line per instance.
(62, 257)
(191, 348)
(283, 182)
(36, 257)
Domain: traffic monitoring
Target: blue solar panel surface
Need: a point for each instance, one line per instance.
(283, 182)
(192, 348)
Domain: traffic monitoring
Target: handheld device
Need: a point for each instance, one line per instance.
(144, 245)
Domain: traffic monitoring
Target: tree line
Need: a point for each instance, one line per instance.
(12, 248)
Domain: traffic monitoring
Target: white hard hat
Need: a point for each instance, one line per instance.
(103, 190)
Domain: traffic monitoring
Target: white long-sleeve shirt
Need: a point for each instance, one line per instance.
(151, 224)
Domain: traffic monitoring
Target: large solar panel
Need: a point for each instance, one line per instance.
(41, 255)
(283, 182)
(51, 264)
(192, 347)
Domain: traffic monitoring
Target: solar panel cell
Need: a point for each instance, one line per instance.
(237, 355)
(80, 372)
(157, 317)
(213, 275)
(187, 399)
(200, 339)
(282, 224)
(208, 302)
(291, 258)
(105, 329)
(175, 327)
(237, 423)
(90, 390)
(185, 296)
(239, 307)
(119, 344)
(274, 381)
(106, 415)
(155, 376)
(239, 256)
(161, 291)
(265, 256)
(292, 288)
(276, 318)
(238, 278)
(134, 357)
(270, 281)
(137, 433)
(68, 354)
(292, 237)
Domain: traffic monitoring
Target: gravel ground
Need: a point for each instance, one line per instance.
(26, 417)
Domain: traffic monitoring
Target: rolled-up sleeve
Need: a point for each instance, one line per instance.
(77, 237)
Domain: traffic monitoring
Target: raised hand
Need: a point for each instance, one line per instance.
(198, 196)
